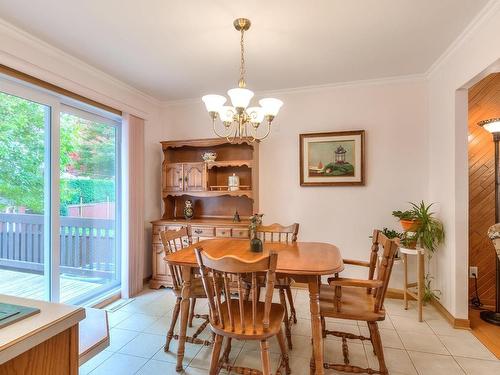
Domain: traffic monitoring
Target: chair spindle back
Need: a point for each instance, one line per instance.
(278, 233)
(390, 247)
(174, 240)
(228, 312)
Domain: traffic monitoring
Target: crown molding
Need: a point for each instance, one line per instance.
(484, 15)
(14, 32)
(412, 78)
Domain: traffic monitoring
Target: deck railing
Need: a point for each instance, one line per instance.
(87, 245)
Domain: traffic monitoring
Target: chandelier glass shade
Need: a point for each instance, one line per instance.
(238, 119)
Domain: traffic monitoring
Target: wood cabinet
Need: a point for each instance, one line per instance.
(186, 176)
(173, 177)
(195, 176)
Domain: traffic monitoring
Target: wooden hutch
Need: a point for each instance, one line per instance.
(185, 175)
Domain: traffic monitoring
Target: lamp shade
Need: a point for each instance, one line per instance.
(492, 125)
(213, 103)
(256, 114)
(240, 98)
(270, 106)
(226, 113)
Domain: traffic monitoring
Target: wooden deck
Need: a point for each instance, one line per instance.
(31, 285)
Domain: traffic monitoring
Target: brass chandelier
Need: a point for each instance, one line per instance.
(240, 121)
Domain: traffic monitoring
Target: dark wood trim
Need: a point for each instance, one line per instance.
(302, 137)
(206, 142)
(59, 90)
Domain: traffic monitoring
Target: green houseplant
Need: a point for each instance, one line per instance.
(422, 227)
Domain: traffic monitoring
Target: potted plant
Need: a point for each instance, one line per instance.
(426, 230)
(430, 231)
(407, 219)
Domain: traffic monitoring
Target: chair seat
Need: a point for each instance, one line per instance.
(197, 290)
(275, 319)
(356, 304)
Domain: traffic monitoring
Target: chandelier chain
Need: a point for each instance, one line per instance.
(242, 82)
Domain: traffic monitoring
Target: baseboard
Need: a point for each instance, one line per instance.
(455, 322)
(108, 301)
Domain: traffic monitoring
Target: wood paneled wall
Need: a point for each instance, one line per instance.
(484, 103)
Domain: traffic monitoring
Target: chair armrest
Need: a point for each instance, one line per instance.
(360, 263)
(356, 282)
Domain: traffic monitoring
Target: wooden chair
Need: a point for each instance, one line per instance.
(234, 317)
(361, 300)
(280, 233)
(172, 241)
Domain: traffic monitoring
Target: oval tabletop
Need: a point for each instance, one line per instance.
(299, 258)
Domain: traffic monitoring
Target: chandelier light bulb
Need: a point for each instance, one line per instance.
(270, 106)
(213, 103)
(226, 113)
(256, 114)
(240, 98)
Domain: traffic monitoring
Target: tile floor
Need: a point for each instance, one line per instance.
(138, 332)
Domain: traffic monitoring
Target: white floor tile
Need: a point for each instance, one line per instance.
(469, 347)
(479, 366)
(94, 362)
(434, 364)
(120, 364)
(144, 345)
(119, 338)
(442, 327)
(390, 338)
(419, 342)
(397, 361)
(190, 351)
(137, 322)
(408, 324)
(153, 367)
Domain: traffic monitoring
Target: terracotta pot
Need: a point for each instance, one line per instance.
(410, 244)
(409, 225)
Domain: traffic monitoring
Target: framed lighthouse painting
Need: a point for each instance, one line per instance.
(332, 159)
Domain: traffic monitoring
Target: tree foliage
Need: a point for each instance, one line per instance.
(87, 156)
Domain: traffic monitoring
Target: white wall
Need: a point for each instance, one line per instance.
(24, 52)
(476, 50)
(394, 116)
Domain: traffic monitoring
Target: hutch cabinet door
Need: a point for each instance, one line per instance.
(194, 177)
(173, 177)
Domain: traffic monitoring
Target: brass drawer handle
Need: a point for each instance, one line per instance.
(198, 231)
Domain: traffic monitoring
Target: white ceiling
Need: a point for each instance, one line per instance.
(183, 49)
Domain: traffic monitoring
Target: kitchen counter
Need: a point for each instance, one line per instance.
(44, 343)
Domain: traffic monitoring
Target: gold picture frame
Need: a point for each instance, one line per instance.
(332, 158)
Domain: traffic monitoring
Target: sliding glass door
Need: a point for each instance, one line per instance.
(89, 252)
(25, 197)
(59, 197)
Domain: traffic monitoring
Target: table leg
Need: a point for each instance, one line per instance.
(316, 324)
(405, 286)
(421, 282)
(186, 294)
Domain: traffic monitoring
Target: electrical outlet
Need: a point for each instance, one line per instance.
(472, 272)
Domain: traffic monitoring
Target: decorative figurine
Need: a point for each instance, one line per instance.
(233, 182)
(188, 210)
(236, 217)
(255, 242)
(209, 156)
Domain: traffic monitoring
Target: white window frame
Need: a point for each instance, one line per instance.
(58, 104)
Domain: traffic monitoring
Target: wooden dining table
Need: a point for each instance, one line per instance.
(304, 262)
